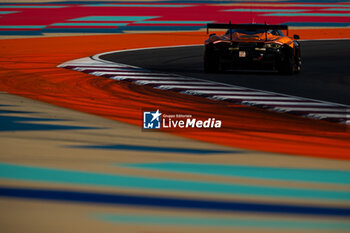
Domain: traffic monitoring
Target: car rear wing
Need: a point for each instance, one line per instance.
(247, 26)
(264, 27)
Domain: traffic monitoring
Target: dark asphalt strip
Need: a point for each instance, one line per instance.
(166, 202)
(325, 73)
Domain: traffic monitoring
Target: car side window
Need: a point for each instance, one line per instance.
(276, 32)
(228, 31)
(273, 32)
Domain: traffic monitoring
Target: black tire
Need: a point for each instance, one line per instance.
(298, 63)
(211, 65)
(289, 65)
(211, 62)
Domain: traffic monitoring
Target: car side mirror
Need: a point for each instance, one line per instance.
(296, 37)
(213, 34)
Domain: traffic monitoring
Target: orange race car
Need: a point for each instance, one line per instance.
(252, 46)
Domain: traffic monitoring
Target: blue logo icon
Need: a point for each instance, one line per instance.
(151, 120)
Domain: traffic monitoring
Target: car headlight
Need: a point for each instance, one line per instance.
(272, 45)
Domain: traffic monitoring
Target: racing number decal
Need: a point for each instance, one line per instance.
(242, 54)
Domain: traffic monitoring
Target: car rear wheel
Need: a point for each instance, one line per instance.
(297, 64)
(288, 66)
(292, 62)
(211, 60)
(211, 65)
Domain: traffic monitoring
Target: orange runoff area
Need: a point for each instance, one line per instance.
(28, 68)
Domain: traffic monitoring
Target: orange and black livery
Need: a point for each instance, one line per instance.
(252, 46)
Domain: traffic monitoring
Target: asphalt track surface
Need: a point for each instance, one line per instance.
(325, 72)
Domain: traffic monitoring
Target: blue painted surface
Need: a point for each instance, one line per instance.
(38, 174)
(21, 33)
(89, 24)
(25, 6)
(223, 222)
(337, 9)
(119, 29)
(323, 5)
(21, 26)
(137, 5)
(161, 28)
(175, 22)
(317, 24)
(158, 149)
(197, 1)
(16, 123)
(273, 173)
(309, 14)
(82, 30)
(263, 10)
(114, 18)
(166, 202)
(7, 12)
(5, 111)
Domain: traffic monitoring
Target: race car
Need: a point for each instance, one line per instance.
(252, 46)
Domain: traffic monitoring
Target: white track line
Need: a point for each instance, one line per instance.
(225, 92)
(141, 82)
(147, 77)
(284, 103)
(326, 109)
(93, 65)
(323, 116)
(192, 88)
(98, 73)
(103, 69)
(98, 65)
(243, 97)
(90, 62)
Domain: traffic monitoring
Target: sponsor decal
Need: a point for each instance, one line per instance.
(157, 120)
